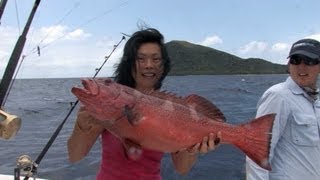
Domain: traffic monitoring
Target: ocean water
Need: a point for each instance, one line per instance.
(43, 104)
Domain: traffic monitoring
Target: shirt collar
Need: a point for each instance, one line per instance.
(296, 89)
(293, 86)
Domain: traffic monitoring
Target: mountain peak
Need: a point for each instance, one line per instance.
(193, 59)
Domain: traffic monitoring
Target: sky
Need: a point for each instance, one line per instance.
(75, 36)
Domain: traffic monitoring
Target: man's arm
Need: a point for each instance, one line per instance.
(270, 102)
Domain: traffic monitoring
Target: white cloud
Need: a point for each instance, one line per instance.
(314, 36)
(212, 40)
(254, 47)
(278, 53)
(280, 47)
(78, 34)
(59, 32)
(8, 36)
(275, 53)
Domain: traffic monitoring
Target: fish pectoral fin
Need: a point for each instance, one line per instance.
(130, 115)
(132, 150)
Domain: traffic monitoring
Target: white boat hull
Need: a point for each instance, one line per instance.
(11, 177)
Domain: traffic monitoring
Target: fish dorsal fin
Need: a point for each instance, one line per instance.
(206, 107)
(200, 103)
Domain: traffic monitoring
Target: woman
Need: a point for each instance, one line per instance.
(144, 65)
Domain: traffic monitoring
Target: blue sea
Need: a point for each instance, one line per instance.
(44, 103)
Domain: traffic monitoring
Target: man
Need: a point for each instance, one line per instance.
(295, 145)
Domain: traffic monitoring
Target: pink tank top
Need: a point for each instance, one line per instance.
(116, 166)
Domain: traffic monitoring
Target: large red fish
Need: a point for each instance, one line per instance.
(164, 122)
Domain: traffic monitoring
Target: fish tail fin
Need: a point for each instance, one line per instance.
(257, 139)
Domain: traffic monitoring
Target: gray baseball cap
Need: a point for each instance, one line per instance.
(306, 47)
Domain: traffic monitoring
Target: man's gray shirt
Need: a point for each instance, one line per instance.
(295, 143)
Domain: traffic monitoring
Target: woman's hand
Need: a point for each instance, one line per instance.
(208, 144)
(183, 160)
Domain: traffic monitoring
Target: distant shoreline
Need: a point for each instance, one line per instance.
(244, 74)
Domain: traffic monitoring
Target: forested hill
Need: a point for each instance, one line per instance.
(192, 59)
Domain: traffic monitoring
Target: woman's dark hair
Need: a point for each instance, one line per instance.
(123, 73)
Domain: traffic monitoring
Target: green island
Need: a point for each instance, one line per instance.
(193, 59)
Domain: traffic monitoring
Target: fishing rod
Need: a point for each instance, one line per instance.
(24, 162)
(10, 124)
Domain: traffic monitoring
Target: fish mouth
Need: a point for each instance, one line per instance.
(91, 88)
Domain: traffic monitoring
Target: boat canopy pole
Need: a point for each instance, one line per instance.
(15, 56)
(2, 6)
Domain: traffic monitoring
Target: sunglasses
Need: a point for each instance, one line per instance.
(296, 60)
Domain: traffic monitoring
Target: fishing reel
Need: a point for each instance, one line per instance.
(25, 167)
(9, 125)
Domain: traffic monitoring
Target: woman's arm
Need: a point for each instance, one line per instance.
(84, 135)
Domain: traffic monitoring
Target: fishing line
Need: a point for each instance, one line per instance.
(40, 48)
(36, 163)
(34, 50)
(22, 57)
(12, 82)
(17, 15)
(33, 30)
(76, 5)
